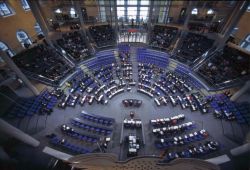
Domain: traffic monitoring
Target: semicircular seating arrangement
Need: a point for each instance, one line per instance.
(150, 74)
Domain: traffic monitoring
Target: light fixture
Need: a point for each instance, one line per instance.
(210, 11)
(194, 11)
(72, 11)
(58, 11)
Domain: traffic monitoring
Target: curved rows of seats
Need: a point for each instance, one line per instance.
(229, 65)
(43, 63)
(103, 35)
(165, 131)
(80, 82)
(96, 129)
(97, 119)
(180, 69)
(67, 130)
(167, 121)
(104, 74)
(152, 57)
(41, 104)
(101, 59)
(64, 144)
(90, 129)
(151, 71)
(165, 143)
(193, 151)
(229, 110)
(125, 48)
(75, 45)
(163, 36)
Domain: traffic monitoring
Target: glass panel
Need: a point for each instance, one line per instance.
(25, 5)
(248, 38)
(4, 9)
(23, 38)
(3, 47)
(101, 2)
(132, 2)
(143, 12)
(120, 2)
(120, 12)
(103, 14)
(247, 47)
(144, 2)
(161, 14)
(38, 29)
(132, 11)
(22, 35)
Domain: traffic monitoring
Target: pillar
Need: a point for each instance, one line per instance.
(185, 27)
(116, 21)
(233, 20)
(14, 67)
(78, 9)
(34, 6)
(149, 24)
(240, 92)
(12, 131)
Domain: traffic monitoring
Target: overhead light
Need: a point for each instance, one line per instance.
(72, 11)
(194, 11)
(58, 11)
(210, 11)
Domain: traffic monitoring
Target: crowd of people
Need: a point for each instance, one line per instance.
(103, 35)
(75, 45)
(203, 28)
(163, 36)
(228, 65)
(192, 48)
(43, 63)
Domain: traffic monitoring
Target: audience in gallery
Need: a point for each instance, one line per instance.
(192, 48)
(203, 28)
(103, 35)
(75, 45)
(43, 63)
(229, 65)
(163, 36)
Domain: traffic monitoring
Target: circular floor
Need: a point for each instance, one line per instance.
(226, 133)
(219, 130)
